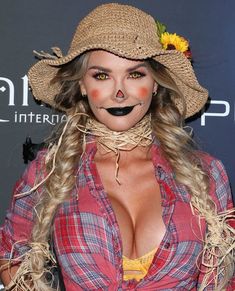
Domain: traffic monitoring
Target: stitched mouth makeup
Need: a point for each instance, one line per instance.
(120, 111)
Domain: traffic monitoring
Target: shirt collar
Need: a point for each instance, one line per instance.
(163, 170)
(159, 161)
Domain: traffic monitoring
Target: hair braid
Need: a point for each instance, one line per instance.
(58, 189)
(179, 149)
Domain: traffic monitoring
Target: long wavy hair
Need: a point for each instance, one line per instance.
(176, 145)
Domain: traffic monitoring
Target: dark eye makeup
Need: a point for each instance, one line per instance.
(100, 76)
(136, 74)
(104, 76)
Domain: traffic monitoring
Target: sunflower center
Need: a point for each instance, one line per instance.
(170, 47)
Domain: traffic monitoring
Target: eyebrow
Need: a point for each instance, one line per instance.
(106, 70)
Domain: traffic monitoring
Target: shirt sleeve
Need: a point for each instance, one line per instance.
(221, 194)
(15, 233)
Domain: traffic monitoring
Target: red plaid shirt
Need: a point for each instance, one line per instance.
(87, 238)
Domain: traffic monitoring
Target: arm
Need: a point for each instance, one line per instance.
(7, 273)
(221, 195)
(16, 230)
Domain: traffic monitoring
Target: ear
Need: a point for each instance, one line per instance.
(155, 86)
(82, 87)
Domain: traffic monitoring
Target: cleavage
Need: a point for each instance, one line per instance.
(140, 223)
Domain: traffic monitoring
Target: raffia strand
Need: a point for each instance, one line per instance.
(116, 141)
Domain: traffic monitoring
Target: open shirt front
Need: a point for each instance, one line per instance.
(86, 235)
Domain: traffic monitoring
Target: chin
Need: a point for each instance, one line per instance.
(119, 128)
(120, 125)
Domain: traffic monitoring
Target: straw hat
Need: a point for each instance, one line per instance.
(127, 32)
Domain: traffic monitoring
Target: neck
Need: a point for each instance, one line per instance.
(114, 141)
(131, 144)
(138, 152)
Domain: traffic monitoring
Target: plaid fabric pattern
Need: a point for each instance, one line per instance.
(87, 238)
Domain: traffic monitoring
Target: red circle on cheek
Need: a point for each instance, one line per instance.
(95, 93)
(143, 92)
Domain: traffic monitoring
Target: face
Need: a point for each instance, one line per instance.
(119, 90)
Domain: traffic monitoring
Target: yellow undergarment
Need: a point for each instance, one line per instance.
(137, 268)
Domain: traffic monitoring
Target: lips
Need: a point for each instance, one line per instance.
(120, 111)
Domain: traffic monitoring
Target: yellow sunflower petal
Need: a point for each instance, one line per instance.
(169, 40)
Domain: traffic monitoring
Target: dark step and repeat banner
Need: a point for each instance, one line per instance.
(39, 25)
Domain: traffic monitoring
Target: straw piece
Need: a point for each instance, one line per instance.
(116, 141)
(52, 153)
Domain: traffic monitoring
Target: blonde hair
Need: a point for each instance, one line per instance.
(175, 142)
(179, 149)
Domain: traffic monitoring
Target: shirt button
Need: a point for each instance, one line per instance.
(161, 174)
(167, 245)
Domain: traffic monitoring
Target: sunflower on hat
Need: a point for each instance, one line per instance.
(171, 41)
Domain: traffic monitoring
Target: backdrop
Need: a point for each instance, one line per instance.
(27, 25)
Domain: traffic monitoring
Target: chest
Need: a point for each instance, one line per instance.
(87, 241)
(136, 203)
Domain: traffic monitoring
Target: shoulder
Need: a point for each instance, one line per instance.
(206, 158)
(25, 195)
(212, 166)
(32, 175)
(36, 169)
(219, 186)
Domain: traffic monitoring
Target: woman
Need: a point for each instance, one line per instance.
(120, 200)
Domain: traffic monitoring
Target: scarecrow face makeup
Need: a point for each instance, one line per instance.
(119, 90)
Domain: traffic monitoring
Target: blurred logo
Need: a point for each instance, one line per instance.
(7, 90)
(217, 108)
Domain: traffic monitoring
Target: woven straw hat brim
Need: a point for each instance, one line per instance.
(41, 74)
(180, 69)
(127, 32)
(45, 70)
